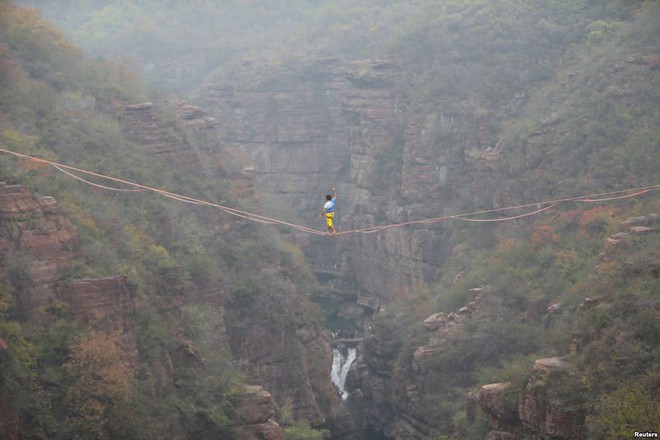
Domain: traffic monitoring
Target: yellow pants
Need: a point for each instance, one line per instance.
(328, 218)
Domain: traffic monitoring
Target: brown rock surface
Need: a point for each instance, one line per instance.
(494, 400)
(106, 300)
(538, 409)
(37, 245)
(264, 353)
(106, 303)
(399, 404)
(253, 417)
(147, 128)
(628, 230)
(303, 131)
(298, 378)
(550, 416)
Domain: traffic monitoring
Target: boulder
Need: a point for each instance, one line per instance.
(253, 416)
(434, 321)
(552, 417)
(495, 399)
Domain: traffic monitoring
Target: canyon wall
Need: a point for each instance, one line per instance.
(405, 381)
(307, 125)
(290, 359)
(41, 254)
(38, 248)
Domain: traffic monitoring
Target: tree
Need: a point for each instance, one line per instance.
(100, 387)
(632, 406)
(302, 431)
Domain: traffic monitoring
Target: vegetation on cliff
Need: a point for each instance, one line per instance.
(537, 100)
(208, 289)
(587, 125)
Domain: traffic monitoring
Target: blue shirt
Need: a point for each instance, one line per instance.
(329, 205)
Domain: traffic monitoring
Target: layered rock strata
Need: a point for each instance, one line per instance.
(146, 127)
(538, 412)
(401, 399)
(254, 416)
(37, 248)
(37, 244)
(313, 124)
(543, 409)
(291, 362)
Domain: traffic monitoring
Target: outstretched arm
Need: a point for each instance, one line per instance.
(334, 196)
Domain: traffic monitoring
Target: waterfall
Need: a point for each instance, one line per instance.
(340, 367)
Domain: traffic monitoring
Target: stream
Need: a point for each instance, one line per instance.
(342, 360)
(341, 365)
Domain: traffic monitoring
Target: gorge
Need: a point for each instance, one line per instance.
(214, 326)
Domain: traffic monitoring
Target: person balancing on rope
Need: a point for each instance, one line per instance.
(329, 211)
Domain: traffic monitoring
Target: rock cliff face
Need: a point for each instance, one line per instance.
(549, 407)
(254, 417)
(291, 361)
(402, 399)
(402, 394)
(105, 302)
(37, 244)
(313, 124)
(403, 384)
(539, 412)
(307, 125)
(37, 247)
(146, 127)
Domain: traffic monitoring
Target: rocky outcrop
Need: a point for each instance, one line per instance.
(106, 304)
(36, 245)
(37, 248)
(285, 360)
(401, 398)
(254, 415)
(193, 116)
(544, 409)
(441, 328)
(373, 377)
(400, 393)
(494, 400)
(619, 242)
(150, 130)
(293, 362)
(289, 124)
(550, 406)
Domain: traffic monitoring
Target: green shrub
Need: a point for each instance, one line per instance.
(20, 270)
(632, 406)
(302, 431)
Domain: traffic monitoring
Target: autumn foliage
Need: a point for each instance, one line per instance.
(544, 234)
(100, 384)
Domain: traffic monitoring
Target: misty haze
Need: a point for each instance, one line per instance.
(339, 220)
